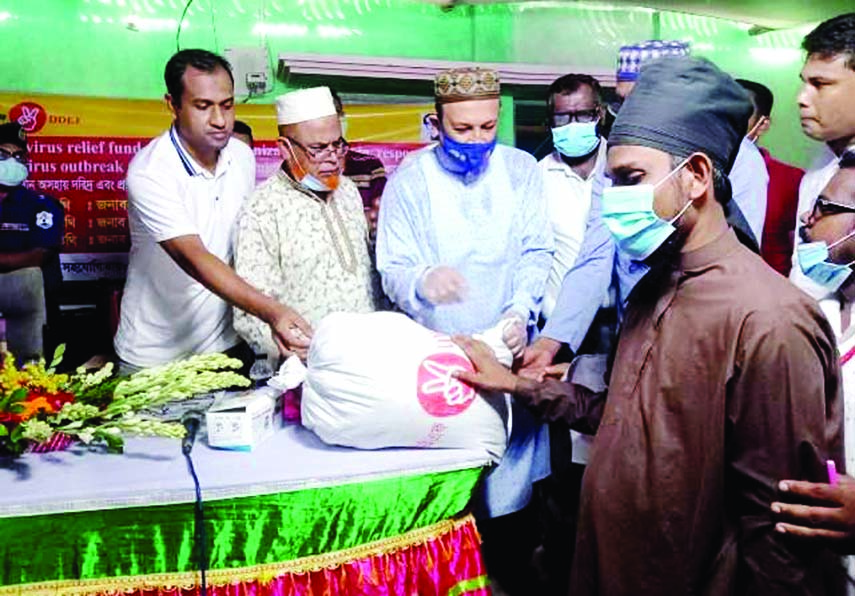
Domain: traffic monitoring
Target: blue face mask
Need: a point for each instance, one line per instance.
(629, 215)
(813, 261)
(12, 172)
(467, 161)
(576, 138)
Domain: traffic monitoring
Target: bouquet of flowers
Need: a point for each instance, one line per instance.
(38, 405)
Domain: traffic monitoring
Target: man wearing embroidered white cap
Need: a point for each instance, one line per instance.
(302, 236)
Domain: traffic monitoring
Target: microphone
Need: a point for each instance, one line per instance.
(191, 421)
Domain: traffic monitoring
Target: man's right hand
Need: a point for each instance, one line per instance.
(291, 332)
(442, 285)
(537, 357)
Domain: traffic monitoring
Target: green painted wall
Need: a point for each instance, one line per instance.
(117, 48)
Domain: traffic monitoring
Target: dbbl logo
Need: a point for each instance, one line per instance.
(31, 116)
(439, 392)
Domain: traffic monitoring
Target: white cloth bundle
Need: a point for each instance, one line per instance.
(382, 380)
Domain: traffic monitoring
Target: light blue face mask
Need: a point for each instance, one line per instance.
(813, 261)
(314, 183)
(629, 215)
(576, 138)
(12, 172)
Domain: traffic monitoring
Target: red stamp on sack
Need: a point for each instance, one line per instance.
(439, 393)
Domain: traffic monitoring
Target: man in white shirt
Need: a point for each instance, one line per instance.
(575, 110)
(825, 108)
(185, 189)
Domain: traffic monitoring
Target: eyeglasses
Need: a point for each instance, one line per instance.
(582, 116)
(317, 151)
(822, 207)
(19, 156)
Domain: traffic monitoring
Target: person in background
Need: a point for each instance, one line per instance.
(599, 263)
(826, 255)
(366, 171)
(31, 232)
(185, 189)
(574, 109)
(725, 376)
(243, 132)
(825, 108)
(575, 113)
(784, 179)
(464, 245)
(302, 237)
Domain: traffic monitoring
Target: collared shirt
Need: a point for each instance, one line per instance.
(781, 206)
(30, 220)
(600, 263)
(815, 179)
(750, 182)
(725, 381)
(568, 201)
(166, 314)
(307, 253)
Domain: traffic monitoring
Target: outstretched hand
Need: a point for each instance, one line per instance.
(490, 374)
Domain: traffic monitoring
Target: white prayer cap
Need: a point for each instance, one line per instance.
(303, 105)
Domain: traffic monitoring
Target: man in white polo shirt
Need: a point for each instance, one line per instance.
(185, 190)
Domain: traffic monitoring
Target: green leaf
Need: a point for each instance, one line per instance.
(57, 357)
(4, 432)
(18, 395)
(115, 443)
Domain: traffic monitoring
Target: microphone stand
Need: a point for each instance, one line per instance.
(191, 422)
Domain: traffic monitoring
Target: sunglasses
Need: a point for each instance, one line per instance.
(822, 207)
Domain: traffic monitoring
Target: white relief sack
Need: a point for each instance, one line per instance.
(382, 380)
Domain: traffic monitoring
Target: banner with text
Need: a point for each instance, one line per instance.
(80, 148)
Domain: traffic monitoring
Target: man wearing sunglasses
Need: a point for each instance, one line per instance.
(826, 114)
(31, 226)
(826, 510)
(302, 237)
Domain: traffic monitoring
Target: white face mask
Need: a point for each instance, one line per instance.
(12, 172)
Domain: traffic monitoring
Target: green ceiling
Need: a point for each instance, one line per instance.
(765, 13)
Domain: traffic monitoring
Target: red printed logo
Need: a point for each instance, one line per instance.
(440, 394)
(31, 116)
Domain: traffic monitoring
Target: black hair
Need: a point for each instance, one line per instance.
(242, 128)
(173, 74)
(339, 107)
(722, 189)
(832, 38)
(761, 96)
(571, 83)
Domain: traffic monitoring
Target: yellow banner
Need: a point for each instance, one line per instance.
(69, 116)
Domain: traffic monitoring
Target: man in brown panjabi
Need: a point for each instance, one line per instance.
(725, 378)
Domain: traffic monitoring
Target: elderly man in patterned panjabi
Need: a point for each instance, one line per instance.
(302, 236)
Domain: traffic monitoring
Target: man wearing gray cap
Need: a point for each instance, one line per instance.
(725, 377)
(598, 262)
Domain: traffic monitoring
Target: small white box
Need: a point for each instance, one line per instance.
(241, 420)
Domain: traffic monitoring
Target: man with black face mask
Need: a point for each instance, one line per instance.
(31, 227)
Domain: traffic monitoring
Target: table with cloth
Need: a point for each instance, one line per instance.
(294, 516)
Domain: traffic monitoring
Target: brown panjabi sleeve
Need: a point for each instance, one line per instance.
(784, 420)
